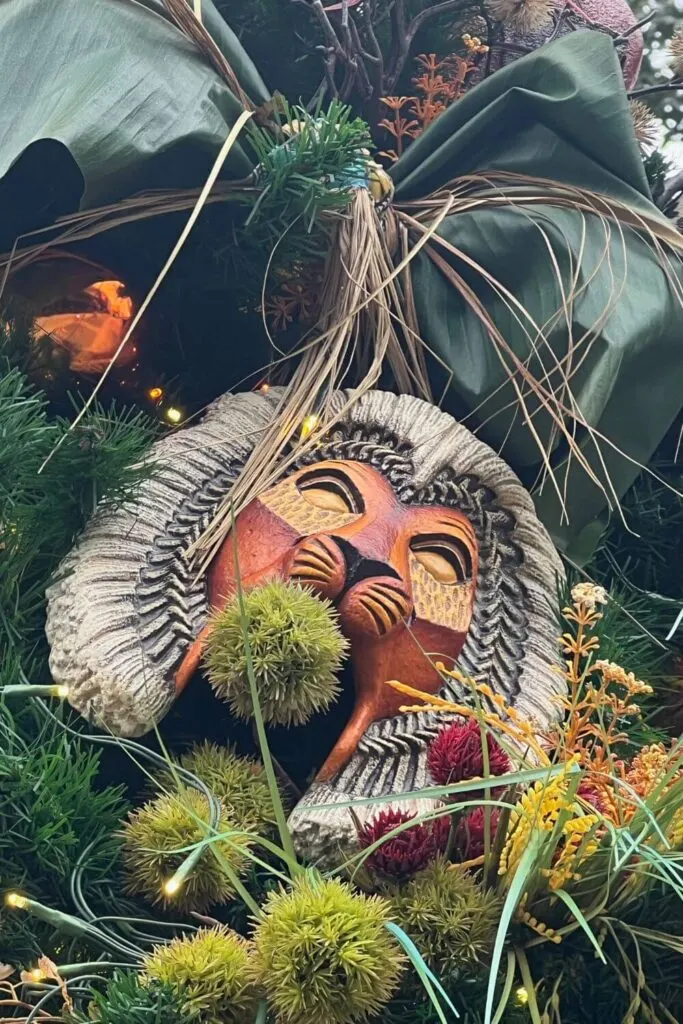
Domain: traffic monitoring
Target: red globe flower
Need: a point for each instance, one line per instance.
(456, 755)
(471, 830)
(409, 851)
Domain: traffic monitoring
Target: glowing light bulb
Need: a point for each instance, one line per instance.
(60, 691)
(309, 425)
(171, 886)
(155, 394)
(264, 388)
(173, 415)
(36, 974)
(522, 995)
(14, 899)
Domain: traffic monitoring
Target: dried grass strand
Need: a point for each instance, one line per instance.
(182, 238)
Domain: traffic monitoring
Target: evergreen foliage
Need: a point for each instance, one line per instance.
(51, 811)
(43, 508)
(306, 182)
(126, 1000)
(51, 807)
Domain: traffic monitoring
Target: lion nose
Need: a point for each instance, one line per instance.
(371, 596)
(359, 567)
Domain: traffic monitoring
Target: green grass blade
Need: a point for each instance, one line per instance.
(427, 977)
(515, 893)
(576, 912)
(289, 855)
(507, 988)
(523, 778)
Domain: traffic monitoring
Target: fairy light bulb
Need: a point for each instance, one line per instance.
(264, 388)
(16, 900)
(171, 886)
(36, 974)
(155, 393)
(309, 425)
(173, 415)
(522, 995)
(61, 691)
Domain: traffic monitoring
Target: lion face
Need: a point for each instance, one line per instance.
(402, 577)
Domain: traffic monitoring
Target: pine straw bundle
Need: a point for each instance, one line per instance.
(189, 21)
(361, 320)
(367, 316)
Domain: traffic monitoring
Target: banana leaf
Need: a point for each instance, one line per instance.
(560, 113)
(102, 99)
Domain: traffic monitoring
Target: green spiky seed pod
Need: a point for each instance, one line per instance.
(448, 915)
(209, 971)
(323, 953)
(240, 784)
(156, 841)
(296, 648)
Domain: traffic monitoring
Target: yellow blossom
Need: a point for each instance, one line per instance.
(564, 869)
(539, 809)
(648, 768)
(676, 830)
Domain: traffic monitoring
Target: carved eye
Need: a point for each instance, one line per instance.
(331, 490)
(446, 558)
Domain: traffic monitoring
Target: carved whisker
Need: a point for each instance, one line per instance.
(391, 610)
(398, 603)
(310, 563)
(380, 624)
(321, 551)
(310, 575)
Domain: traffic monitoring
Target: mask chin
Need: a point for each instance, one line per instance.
(302, 750)
(197, 715)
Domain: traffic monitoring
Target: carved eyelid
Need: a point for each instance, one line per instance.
(445, 544)
(336, 481)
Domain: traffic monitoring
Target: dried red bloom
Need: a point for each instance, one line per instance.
(471, 830)
(409, 851)
(592, 795)
(456, 754)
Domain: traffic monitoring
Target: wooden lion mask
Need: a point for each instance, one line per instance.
(424, 540)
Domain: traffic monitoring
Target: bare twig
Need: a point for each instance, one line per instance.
(634, 28)
(675, 85)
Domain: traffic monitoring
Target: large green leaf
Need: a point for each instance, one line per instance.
(560, 113)
(104, 98)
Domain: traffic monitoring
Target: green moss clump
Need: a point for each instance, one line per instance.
(323, 953)
(156, 841)
(449, 917)
(209, 972)
(296, 648)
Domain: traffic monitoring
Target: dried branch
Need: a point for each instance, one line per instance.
(675, 85)
(351, 46)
